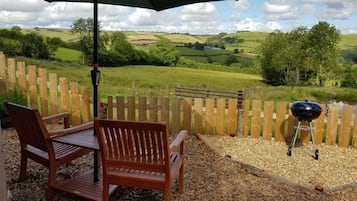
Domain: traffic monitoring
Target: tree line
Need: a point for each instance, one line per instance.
(115, 50)
(306, 57)
(300, 57)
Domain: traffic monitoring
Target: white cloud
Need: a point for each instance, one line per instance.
(22, 5)
(250, 25)
(276, 8)
(200, 8)
(241, 4)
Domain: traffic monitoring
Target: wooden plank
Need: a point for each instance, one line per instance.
(187, 114)
(120, 108)
(2, 66)
(131, 108)
(256, 119)
(53, 93)
(268, 120)
(110, 107)
(21, 78)
(142, 109)
(64, 89)
(220, 118)
(42, 74)
(354, 136)
(154, 109)
(332, 124)
(280, 121)
(176, 116)
(76, 119)
(345, 128)
(85, 104)
(292, 124)
(319, 126)
(165, 110)
(305, 135)
(232, 117)
(3, 76)
(32, 86)
(209, 125)
(246, 128)
(198, 112)
(11, 73)
(240, 126)
(84, 187)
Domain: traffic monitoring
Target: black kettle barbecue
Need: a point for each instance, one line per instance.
(305, 111)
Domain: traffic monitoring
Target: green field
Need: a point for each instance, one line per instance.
(66, 54)
(161, 81)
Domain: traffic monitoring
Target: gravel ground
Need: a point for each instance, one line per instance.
(215, 169)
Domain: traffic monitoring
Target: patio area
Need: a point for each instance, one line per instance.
(208, 175)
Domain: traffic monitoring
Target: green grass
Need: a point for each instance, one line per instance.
(348, 41)
(184, 51)
(161, 81)
(64, 34)
(66, 54)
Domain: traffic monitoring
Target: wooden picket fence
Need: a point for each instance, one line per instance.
(258, 119)
(45, 91)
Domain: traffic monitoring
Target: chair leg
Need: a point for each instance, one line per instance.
(181, 179)
(23, 167)
(50, 194)
(168, 194)
(105, 192)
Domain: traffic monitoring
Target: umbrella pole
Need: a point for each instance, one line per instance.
(95, 75)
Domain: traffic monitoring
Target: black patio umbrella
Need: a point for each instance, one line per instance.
(157, 5)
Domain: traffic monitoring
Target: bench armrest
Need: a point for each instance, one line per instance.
(178, 140)
(71, 130)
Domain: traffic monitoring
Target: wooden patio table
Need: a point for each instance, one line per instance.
(88, 185)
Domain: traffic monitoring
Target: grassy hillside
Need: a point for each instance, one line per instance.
(66, 54)
(161, 81)
(149, 80)
(63, 34)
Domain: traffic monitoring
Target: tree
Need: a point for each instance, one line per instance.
(34, 46)
(54, 43)
(350, 77)
(84, 29)
(119, 43)
(323, 40)
(296, 57)
(230, 59)
(164, 53)
(273, 67)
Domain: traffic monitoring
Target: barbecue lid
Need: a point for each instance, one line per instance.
(306, 110)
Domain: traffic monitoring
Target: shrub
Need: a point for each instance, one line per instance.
(13, 96)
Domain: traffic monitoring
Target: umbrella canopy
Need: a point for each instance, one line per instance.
(150, 4)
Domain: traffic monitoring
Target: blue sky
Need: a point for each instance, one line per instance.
(205, 18)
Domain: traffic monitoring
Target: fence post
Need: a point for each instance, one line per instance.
(2, 74)
(209, 116)
(240, 123)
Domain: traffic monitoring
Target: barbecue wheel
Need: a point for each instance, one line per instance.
(316, 154)
(289, 151)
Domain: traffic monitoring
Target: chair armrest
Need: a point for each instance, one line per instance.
(178, 140)
(71, 130)
(56, 116)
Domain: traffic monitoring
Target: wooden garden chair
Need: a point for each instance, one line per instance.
(137, 154)
(35, 141)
